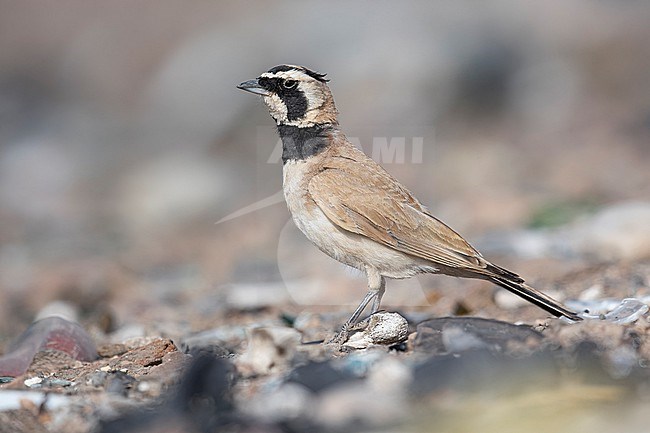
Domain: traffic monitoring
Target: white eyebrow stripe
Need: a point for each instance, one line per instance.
(287, 75)
(292, 75)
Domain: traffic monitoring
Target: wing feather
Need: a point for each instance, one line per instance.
(366, 200)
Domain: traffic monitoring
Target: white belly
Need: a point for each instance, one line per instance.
(349, 248)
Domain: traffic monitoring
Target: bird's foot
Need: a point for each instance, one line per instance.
(340, 337)
(348, 329)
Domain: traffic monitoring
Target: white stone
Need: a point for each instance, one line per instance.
(269, 350)
(33, 381)
(381, 328)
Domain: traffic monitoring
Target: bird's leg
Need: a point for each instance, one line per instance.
(380, 294)
(376, 289)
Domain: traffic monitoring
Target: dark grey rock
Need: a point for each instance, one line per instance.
(98, 378)
(319, 376)
(460, 334)
(119, 383)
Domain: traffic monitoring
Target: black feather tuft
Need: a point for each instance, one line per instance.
(316, 75)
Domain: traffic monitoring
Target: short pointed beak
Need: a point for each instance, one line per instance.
(253, 86)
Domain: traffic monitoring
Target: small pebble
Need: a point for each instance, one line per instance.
(98, 378)
(119, 383)
(381, 328)
(33, 382)
(269, 349)
(54, 382)
(150, 388)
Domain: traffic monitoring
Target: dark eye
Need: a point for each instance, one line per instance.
(290, 84)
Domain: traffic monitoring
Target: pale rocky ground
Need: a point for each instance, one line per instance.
(123, 145)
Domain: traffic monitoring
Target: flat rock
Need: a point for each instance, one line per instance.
(460, 334)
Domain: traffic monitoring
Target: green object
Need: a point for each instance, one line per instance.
(555, 214)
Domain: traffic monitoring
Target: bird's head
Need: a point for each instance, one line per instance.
(295, 96)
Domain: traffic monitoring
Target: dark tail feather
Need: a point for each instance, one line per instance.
(543, 301)
(503, 273)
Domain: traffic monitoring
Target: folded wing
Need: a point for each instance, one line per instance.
(369, 202)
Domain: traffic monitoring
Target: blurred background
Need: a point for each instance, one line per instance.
(125, 146)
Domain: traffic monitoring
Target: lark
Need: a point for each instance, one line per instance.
(355, 211)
